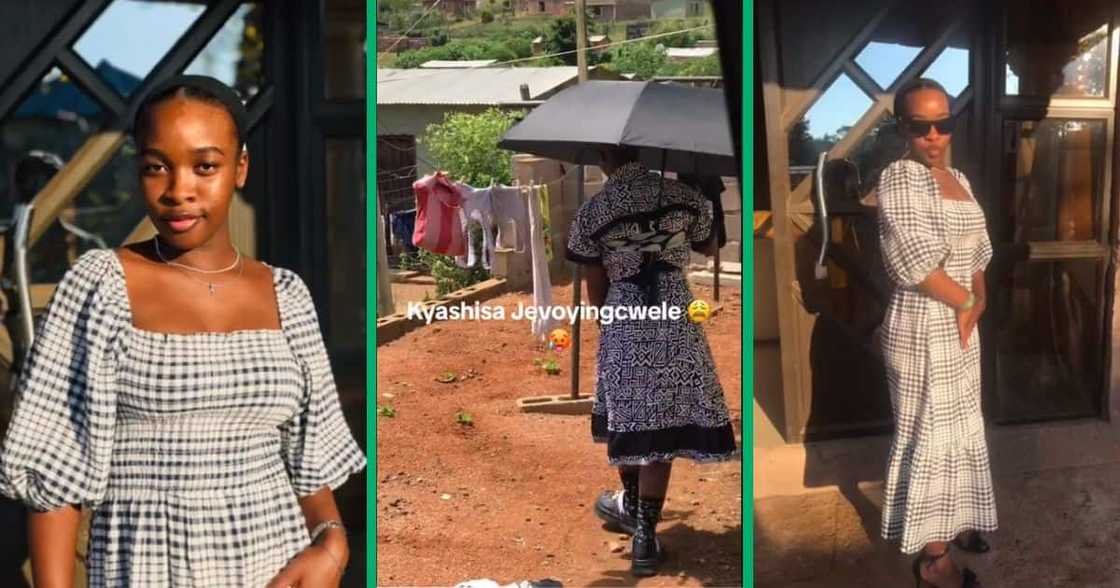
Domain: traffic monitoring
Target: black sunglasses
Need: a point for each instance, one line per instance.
(920, 128)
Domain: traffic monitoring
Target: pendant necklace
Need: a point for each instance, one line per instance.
(210, 286)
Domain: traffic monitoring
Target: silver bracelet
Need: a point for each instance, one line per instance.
(323, 526)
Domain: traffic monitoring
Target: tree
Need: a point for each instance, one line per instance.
(706, 66)
(641, 59)
(561, 38)
(466, 146)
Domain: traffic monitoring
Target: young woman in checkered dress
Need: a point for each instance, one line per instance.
(936, 247)
(181, 391)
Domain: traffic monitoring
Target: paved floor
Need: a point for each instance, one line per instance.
(1059, 527)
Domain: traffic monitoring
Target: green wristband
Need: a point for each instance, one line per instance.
(969, 302)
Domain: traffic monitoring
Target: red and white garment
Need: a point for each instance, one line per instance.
(440, 222)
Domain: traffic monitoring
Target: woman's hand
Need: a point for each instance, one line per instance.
(967, 320)
(964, 326)
(314, 567)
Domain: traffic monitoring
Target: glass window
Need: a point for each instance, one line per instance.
(346, 205)
(344, 65)
(1048, 58)
(951, 70)
(234, 55)
(130, 37)
(827, 122)
(1049, 357)
(884, 61)
(1054, 169)
(36, 141)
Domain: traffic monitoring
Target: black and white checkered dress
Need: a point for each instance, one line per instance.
(939, 480)
(657, 396)
(191, 449)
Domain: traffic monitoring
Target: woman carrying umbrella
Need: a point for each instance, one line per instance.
(657, 395)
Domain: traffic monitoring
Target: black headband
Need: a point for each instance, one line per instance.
(225, 95)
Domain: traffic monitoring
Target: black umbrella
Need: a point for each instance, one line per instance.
(676, 128)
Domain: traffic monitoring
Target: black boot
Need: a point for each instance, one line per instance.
(620, 509)
(645, 551)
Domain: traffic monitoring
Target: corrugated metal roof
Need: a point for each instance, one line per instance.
(483, 86)
(445, 64)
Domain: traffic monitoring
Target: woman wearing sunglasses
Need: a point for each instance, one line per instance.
(935, 244)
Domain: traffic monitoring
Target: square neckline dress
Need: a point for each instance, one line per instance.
(192, 449)
(938, 481)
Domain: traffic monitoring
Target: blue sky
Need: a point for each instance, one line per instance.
(134, 35)
(843, 102)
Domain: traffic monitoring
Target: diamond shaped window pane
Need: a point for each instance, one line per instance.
(234, 54)
(885, 61)
(44, 131)
(950, 69)
(827, 122)
(130, 37)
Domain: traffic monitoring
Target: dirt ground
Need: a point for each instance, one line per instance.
(509, 498)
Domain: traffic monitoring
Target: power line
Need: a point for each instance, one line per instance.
(404, 35)
(548, 55)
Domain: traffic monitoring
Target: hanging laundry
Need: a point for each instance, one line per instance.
(542, 282)
(478, 212)
(439, 216)
(508, 204)
(546, 206)
(403, 224)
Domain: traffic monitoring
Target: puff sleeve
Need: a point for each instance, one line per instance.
(908, 229)
(59, 442)
(317, 446)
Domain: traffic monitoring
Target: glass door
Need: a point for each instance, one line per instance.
(1046, 334)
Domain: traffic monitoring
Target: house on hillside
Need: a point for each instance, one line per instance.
(616, 10)
(460, 8)
(599, 43)
(551, 7)
(680, 8)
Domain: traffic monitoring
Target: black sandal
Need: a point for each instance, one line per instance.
(974, 544)
(968, 577)
(925, 559)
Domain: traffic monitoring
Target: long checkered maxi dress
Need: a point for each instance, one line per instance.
(939, 481)
(191, 449)
(657, 394)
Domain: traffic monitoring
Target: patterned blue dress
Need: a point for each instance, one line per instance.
(657, 395)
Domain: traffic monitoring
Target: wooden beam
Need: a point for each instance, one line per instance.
(31, 72)
(143, 231)
(926, 57)
(800, 103)
(98, 149)
(777, 153)
(91, 83)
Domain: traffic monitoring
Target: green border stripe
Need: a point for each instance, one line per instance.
(371, 292)
(747, 306)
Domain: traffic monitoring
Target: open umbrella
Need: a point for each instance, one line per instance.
(675, 127)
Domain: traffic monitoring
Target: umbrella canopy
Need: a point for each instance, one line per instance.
(676, 128)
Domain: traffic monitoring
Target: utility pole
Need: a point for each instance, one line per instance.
(577, 273)
(581, 38)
